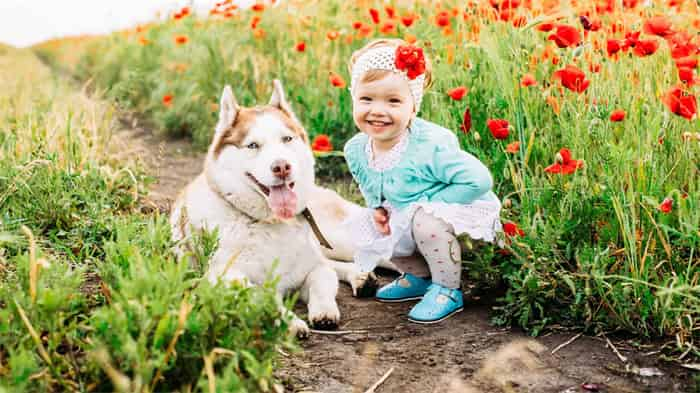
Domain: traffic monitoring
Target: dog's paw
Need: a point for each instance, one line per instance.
(324, 316)
(299, 328)
(364, 284)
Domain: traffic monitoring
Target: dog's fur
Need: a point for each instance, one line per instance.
(256, 231)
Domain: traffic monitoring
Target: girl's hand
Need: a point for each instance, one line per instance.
(381, 220)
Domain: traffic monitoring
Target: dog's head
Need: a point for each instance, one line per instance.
(260, 159)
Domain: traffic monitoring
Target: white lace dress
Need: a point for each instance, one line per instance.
(479, 219)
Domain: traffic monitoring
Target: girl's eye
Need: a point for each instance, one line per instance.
(395, 101)
(287, 139)
(365, 99)
(253, 145)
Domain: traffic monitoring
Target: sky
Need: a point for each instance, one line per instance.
(26, 22)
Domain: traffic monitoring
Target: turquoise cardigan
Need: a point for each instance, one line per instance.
(432, 169)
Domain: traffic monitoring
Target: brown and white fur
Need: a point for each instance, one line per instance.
(258, 177)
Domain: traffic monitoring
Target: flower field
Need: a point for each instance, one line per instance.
(584, 111)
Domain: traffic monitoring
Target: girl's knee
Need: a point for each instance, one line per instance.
(425, 225)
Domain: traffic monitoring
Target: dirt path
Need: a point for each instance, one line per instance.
(463, 354)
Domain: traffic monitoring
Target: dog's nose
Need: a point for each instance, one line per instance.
(281, 169)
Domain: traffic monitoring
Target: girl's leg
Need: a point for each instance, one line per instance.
(435, 239)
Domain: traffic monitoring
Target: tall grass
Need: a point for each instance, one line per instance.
(91, 295)
(598, 251)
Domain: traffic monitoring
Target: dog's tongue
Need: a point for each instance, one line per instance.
(283, 201)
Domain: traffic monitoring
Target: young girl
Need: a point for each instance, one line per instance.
(420, 188)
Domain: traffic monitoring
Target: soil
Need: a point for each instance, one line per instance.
(462, 354)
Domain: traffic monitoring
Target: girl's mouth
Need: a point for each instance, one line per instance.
(376, 123)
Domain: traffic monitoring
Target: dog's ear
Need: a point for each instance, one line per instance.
(278, 100)
(228, 108)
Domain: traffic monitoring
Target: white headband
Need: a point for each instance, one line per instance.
(384, 58)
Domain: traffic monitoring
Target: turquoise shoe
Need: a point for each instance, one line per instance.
(438, 304)
(405, 287)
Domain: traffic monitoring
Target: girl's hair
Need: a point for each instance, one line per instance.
(373, 75)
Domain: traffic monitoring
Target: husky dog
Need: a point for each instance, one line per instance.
(256, 186)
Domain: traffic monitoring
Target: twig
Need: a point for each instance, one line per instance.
(572, 339)
(337, 332)
(619, 355)
(35, 336)
(373, 388)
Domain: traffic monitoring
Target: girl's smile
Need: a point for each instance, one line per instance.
(383, 108)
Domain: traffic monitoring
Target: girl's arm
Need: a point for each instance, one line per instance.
(466, 177)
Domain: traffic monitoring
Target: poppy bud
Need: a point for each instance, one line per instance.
(477, 137)
(559, 159)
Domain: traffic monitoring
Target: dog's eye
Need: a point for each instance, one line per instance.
(253, 145)
(287, 139)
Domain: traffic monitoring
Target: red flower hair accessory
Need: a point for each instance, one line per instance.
(410, 58)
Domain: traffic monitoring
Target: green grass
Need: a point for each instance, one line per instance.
(92, 297)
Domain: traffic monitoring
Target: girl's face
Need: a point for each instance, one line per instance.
(383, 108)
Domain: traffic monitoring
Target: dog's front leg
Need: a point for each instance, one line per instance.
(319, 291)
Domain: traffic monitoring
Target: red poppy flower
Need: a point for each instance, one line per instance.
(365, 30)
(357, 25)
(181, 39)
(457, 93)
(322, 142)
(566, 36)
(666, 206)
(168, 100)
(646, 47)
(687, 62)
(682, 45)
(687, 75)
(410, 58)
(528, 80)
(442, 19)
(613, 46)
(332, 35)
(374, 13)
(572, 78)
(337, 80)
(254, 21)
(658, 25)
(545, 26)
(408, 19)
(498, 128)
(681, 103)
(564, 164)
(390, 12)
(466, 121)
(590, 25)
(258, 7)
(505, 4)
(594, 68)
(631, 39)
(513, 147)
(388, 27)
(300, 46)
(617, 115)
(511, 229)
